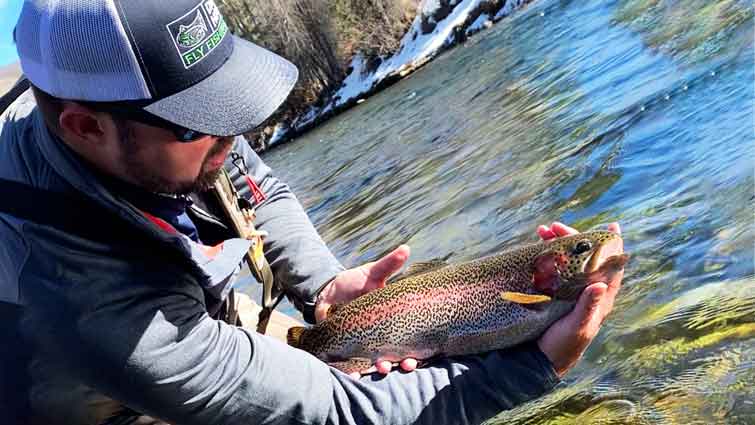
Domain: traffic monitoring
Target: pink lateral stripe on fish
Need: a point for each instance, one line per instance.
(453, 309)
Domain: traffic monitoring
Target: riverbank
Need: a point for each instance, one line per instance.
(438, 26)
(584, 112)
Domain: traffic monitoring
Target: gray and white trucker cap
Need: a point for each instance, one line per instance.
(176, 56)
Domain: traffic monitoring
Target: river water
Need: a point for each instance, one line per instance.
(585, 112)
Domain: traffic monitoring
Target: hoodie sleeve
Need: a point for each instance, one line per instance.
(136, 329)
(300, 260)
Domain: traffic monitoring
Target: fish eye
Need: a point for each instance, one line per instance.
(582, 247)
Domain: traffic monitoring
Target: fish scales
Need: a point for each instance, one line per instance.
(458, 308)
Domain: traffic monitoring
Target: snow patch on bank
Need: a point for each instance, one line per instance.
(357, 82)
(414, 50)
(279, 133)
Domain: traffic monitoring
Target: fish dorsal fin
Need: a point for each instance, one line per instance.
(419, 268)
(425, 266)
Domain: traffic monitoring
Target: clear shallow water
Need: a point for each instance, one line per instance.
(585, 112)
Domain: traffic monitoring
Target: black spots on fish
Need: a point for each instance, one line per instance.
(574, 251)
(456, 309)
(352, 365)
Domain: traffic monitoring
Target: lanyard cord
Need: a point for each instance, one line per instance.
(240, 164)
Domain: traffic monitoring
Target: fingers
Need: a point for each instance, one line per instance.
(560, 229)
(555, 230)
(408, 365)
(614, 227)
(565, 341)
(614, 285)
(545, 232)
(589, 309)
(383, 366)
(392, 262)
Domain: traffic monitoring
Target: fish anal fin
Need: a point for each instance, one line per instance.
(295, 336)
(419, 268)
(522, 298)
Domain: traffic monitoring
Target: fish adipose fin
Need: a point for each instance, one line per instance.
(357, 364)
(294, 336)
(419, 268)
(522, 298)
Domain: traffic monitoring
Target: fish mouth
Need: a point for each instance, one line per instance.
(609, 253)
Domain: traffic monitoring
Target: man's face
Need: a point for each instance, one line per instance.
(152, 158)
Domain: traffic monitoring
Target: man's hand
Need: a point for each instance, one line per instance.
(567, 339)
(352, 283)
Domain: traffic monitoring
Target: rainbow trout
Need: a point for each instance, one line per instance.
(439, 309)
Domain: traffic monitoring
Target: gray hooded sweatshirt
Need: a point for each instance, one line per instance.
(87, 324)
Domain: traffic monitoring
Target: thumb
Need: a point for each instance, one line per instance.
(392, 262)
(587, 310)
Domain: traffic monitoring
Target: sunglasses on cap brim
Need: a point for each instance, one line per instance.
(133, 112)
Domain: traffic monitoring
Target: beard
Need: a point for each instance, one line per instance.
(146, 178)
(207, 176)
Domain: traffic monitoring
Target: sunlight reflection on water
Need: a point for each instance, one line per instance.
(584, 112)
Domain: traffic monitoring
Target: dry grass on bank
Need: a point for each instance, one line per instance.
(320, 37)
(8, 76)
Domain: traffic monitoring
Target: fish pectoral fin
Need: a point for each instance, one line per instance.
(522, 298)
(357, 364)
(294, 336)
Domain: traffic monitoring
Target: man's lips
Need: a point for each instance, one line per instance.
(215, 163)
(217, 159)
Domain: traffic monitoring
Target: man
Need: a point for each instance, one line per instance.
(134, 106)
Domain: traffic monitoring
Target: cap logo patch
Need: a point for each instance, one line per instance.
(198, 32)
(193, 34)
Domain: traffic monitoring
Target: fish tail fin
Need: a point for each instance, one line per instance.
(294, 336)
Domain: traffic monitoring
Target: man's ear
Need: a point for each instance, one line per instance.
(79, 123)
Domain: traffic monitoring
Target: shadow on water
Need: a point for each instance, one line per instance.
(638, 111)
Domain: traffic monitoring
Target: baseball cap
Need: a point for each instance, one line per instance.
(177, 58)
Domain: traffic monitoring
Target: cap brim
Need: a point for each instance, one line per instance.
(236, 98)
